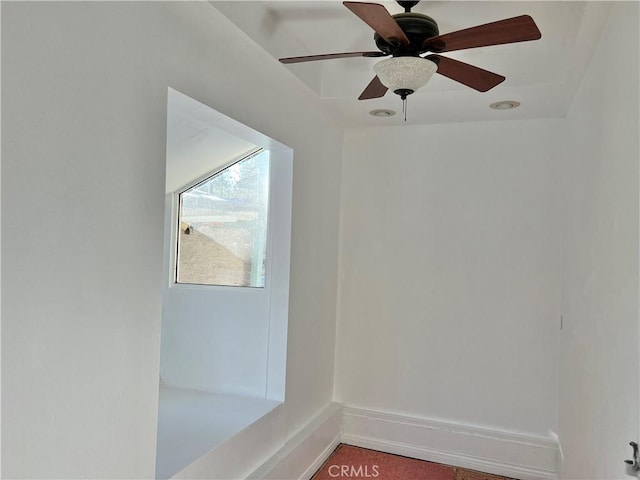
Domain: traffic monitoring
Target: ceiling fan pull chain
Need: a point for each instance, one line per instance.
(404, 108)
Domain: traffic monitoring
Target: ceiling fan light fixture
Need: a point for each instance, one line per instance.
(405, 75)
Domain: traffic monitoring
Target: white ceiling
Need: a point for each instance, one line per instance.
(543, 75)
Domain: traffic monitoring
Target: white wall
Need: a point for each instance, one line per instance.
(84, 124)
(599, 361)
(450, 277)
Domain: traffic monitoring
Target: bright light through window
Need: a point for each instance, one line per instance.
(222, 234)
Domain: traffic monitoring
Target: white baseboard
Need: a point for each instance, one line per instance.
(502, 453)
(513, 455)
(320, 459)
(306, 451)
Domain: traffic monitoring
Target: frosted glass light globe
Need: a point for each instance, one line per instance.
(404, 73)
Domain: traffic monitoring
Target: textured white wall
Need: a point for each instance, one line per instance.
(84, 123)
(599, 361)
(450, 276)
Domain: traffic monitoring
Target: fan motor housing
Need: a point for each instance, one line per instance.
(417, 27)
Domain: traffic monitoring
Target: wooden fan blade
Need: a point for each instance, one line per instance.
(375, 89)
(379, 18)
(474, 77)
(510, 30)
(329, 56)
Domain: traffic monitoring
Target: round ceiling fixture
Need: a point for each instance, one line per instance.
(505, 105)
(382, 112)
(404, 75)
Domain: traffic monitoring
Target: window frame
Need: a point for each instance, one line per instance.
(175, 226)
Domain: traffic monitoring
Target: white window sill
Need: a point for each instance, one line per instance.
(192, 423)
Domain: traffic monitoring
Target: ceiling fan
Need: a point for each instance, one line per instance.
(409, 35)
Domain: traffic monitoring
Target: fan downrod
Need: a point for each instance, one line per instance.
(407, 5)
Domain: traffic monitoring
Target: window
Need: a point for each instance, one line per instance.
(222, 222)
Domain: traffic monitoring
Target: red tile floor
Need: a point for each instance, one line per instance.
(348, 462)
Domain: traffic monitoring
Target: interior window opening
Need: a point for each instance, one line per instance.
(227, 250)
